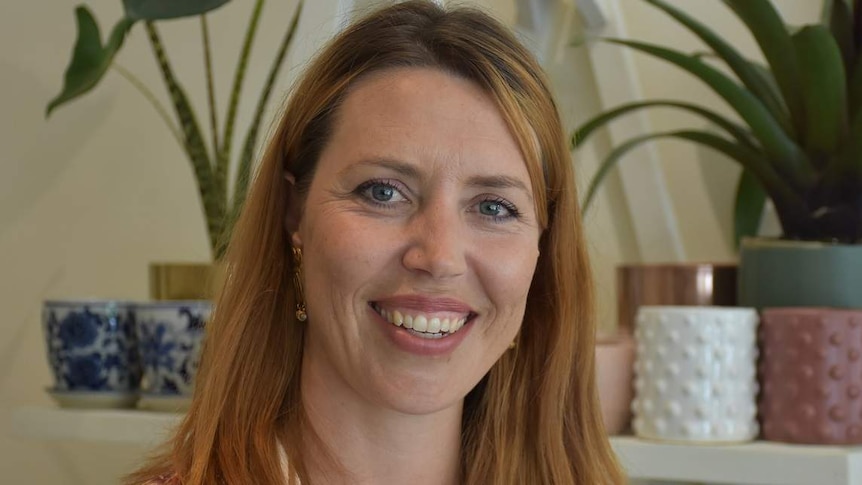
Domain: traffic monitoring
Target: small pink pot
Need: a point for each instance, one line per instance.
(811, 375)
(615, 358)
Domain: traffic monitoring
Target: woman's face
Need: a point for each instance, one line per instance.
(419, 240)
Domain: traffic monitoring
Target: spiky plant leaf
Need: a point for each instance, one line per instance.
(745, 156)
(782, 150)
(744, 70)
(824, 89)
(769, 31)
(748, 207)
(585, 130)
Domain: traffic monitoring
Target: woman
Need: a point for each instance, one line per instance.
(409, 297)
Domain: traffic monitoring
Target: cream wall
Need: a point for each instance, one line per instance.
(91, 196)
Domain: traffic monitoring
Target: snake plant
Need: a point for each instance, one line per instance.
(211, 161)
(797, 131)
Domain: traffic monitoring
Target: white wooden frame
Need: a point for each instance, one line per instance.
(652, 215)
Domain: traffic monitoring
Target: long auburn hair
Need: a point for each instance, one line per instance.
(534, 418)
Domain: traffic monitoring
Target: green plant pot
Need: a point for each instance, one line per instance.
(778, 273)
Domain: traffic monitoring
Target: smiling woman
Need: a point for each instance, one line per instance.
(408, 298)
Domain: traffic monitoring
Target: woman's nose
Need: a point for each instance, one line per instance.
(437, 243)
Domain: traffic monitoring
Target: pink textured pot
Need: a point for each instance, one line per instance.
(811, 374)
(614, 375)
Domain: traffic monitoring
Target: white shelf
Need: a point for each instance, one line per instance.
(758, 463)
(113, 426)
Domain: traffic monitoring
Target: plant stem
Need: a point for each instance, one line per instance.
(223, 158)
(205, 32)
(213, 200)
(151, 97)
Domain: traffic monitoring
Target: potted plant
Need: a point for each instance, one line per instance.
(211, 159)
(799, 142)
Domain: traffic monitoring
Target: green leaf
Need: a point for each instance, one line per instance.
(839, 18)
(857, 25)
(824, 88)
(748, 207)
(223, 156)
(745, 156)
(90, 59)
(583, 132)
(855, 89)
(168, 9)
(771, 35)
(213, 199)
(787, 157)
(243, 175)
(743, 69)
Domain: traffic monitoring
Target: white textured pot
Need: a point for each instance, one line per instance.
(695, 374)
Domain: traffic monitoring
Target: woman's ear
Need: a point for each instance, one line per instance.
(294, 210)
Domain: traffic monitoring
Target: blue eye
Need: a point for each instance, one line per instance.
(381, 192)
(492, 208)
(499, 210)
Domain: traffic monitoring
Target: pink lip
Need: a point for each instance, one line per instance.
(413, 344)
(425, 304)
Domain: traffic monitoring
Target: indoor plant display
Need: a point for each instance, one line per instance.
(799, 142)
(210, 159)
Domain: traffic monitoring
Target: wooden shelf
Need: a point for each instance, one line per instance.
(758, 463)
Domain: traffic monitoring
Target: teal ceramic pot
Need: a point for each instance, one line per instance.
(778, 273)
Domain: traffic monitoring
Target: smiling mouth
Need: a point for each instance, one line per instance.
(423, 325)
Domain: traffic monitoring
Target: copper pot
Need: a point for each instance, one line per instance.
(678, 284)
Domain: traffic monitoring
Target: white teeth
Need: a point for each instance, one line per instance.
(426, 327)
(420, 324)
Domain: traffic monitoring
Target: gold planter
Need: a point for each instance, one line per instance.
(677, 284)
(185, 281)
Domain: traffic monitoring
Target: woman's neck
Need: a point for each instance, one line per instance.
(374, 445)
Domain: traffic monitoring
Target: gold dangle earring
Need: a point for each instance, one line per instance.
(301, 314)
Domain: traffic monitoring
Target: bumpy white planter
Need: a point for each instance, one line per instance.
(695, 374)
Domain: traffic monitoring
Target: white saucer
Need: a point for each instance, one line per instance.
(94, 399)
(164, 403)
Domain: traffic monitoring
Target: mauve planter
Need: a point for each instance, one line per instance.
(811, 373)
(614, 375)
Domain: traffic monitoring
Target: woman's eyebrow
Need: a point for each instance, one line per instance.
(402, 168)
(499, 182)
(410, 171)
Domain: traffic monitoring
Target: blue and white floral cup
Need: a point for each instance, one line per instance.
(92, 346)
(170, 338)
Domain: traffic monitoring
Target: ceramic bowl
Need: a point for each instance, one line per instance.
(91, 346)
(170, 338)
